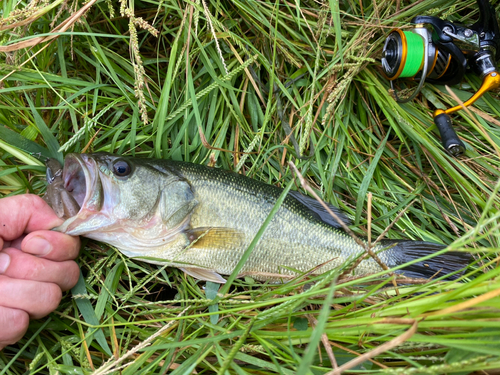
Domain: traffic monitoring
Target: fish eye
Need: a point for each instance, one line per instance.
(121, 168)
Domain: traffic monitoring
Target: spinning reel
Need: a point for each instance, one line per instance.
(442, 55)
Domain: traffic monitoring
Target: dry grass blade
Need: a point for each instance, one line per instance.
(399, 216)
(61, 28)
(467, 304)
(31, 16)
(380, 349)
(306, 186)
(325, 342)
(111, 365)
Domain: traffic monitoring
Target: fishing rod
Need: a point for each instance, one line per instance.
(440, 51)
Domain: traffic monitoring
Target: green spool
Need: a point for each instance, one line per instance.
(414, 54)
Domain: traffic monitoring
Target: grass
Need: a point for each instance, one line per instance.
(200, 91)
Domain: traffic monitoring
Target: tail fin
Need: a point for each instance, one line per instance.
(444, 264)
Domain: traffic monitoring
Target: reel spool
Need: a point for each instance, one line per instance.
(443, 56)
(406, 53)
(410, 54)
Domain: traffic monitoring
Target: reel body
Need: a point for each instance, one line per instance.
(442, 52)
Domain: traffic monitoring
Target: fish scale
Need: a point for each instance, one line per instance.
(203, 219)
(293, 238)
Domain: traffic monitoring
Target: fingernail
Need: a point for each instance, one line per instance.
(4, 262)
(38, 246)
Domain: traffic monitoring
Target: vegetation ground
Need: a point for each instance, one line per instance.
(251, 86)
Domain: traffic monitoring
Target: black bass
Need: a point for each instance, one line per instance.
(202, 219)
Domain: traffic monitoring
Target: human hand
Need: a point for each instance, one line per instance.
(35, 264)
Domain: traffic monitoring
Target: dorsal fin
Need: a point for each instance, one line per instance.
(319, 212)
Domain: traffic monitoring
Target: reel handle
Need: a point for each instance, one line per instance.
(449, 137)
(490, 82)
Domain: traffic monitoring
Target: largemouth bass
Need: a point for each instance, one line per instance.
(202, 219)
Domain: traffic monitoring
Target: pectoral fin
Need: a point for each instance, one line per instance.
(209, 242)
(203, 274)
(215, 238)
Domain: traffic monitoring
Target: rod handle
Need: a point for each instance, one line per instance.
(449, 138)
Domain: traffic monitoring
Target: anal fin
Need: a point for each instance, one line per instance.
(203, 274)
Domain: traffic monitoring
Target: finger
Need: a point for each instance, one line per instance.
(18, 265)
(23, 214)
(36, 298)
(51, 245)
(14, 325)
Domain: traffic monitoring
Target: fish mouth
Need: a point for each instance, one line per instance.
(85, 179)
(80, 176)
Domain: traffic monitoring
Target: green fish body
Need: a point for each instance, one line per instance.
(202, 220)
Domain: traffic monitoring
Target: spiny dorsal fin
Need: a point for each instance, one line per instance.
(319, 212)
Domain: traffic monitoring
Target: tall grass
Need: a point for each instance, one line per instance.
(250, 86)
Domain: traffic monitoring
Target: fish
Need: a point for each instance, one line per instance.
(202, 219)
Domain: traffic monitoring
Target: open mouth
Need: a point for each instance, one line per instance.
(78, 177)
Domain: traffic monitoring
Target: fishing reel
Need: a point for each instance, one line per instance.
(441, 52)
